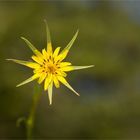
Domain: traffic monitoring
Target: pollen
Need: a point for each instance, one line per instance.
(51, 68)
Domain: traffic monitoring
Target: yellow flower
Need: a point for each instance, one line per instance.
(48, 66)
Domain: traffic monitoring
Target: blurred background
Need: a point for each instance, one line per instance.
(109, 38)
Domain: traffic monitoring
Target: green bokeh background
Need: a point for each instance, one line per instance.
(109, 38)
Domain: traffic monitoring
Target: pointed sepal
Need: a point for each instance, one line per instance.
(32, 47)
(49, 43)
(25, 63)
(82, 67)
(50, 88)
(65, 51)
(63, 81)
(28, 80)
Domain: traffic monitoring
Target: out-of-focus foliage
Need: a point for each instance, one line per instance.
(109, 105)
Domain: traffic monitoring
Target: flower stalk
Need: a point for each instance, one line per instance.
(31, 117)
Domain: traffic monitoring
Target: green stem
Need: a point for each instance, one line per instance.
(31, 117)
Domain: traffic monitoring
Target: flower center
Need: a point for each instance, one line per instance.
(51, 68)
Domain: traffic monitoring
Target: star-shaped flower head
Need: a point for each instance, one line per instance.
(48, 66)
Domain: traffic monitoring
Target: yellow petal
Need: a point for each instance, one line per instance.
(38, 70)
(50, 87)
(55, 54)
(37, 59)
(61, 56)
(47, 81)
(42, 77)
(33, 65)
(63, 64)
(29, 80)
(25, 63)
(56, 82)
(63, 81)
(45, 54)
(67, 68)
(61, 73)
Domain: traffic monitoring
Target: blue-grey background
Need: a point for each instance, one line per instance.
(109, 38)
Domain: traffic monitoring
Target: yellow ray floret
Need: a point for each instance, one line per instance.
(48, 65)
